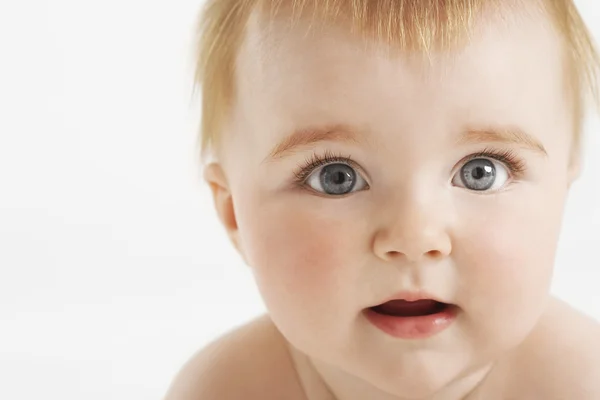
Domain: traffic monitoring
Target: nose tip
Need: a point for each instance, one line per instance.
(415, 224)
(413, 237)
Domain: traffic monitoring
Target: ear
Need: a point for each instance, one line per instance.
(223, 202)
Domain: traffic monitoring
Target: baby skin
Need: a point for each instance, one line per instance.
(400, 215)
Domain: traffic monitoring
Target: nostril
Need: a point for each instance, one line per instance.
(412, 242)
(434, 254)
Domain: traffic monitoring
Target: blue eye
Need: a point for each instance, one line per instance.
(481, 175)
(336, 175)
(335, 179)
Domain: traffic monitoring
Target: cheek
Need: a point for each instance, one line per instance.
(509, 258)
(299, 257)
(506, 272)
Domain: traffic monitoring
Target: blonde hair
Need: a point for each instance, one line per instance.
(407, 24)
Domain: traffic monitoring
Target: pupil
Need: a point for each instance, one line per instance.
(479, 173)
(339, 178)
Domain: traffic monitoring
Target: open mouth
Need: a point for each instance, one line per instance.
(403, 308)
(419, 319)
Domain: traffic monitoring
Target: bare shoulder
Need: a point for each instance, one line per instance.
(561, 358)
(251, 362)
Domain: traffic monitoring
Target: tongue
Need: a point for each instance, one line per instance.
(403, 308)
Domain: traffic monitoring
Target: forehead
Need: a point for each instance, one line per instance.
(306, 70)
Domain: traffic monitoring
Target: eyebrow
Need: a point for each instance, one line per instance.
(508, 135)
(341, 133)
(311, 136)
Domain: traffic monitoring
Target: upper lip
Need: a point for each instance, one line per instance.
(412, 296)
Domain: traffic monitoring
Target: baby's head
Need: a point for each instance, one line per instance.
(367, 148)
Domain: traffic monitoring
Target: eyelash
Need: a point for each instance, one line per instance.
(315, 161)
(509, 158)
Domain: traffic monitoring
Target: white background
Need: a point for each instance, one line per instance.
(113, 268)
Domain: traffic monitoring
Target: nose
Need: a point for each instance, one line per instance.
(413, 228)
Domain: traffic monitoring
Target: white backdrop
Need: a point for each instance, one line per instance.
(113, 267)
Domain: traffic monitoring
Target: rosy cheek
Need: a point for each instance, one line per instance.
(296, 251)
(509, 265)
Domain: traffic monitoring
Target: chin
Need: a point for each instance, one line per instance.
(409, 374)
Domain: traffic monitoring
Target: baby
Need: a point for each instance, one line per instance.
(394, 172)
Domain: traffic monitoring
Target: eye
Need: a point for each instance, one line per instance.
(482, 174)
(336, 179)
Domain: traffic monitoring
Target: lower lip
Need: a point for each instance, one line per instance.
(420, 327)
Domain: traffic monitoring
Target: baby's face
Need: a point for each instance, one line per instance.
(449, 179)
